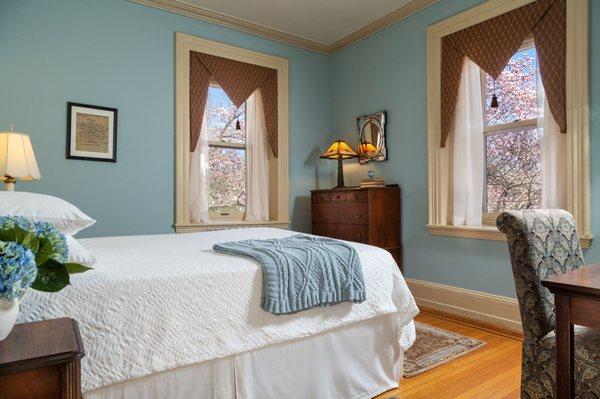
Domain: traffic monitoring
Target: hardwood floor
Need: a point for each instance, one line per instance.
(490, 372)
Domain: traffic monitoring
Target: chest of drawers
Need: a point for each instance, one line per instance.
(366, 215)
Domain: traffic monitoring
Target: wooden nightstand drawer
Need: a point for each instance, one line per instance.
(348, 232)
(346, 214)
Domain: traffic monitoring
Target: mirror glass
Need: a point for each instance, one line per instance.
(371, 137)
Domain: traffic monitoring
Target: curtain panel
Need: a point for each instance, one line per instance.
(492, 43)
(239, 80)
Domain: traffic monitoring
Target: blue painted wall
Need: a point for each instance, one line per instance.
(388, 72)
(121, 54)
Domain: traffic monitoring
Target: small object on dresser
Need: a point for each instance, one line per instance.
(42, 360)
(374, 182)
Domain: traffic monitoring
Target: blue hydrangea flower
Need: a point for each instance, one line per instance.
(17, 270)
(41, 230)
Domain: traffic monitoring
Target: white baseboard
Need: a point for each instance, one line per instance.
(492, 309)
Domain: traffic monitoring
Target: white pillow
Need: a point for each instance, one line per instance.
(66, 217)
(78, 254)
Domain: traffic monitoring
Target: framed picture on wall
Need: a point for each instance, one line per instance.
(91, 132)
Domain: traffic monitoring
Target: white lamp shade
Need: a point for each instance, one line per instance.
(17, 159)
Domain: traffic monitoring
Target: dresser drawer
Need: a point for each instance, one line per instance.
(348, 232)
(320, 197)
(337, 213)
(356, 196)
(338, 196)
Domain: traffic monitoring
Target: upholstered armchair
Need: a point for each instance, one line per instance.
(542, 243)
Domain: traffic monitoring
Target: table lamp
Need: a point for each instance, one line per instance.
(17, 160)
(339, 150)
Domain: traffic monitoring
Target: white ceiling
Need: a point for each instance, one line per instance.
(322, 21)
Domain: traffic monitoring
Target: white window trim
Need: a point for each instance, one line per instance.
(440, 159)
(280, 165)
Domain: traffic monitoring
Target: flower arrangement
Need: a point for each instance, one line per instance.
(32, 254)
(17, 270)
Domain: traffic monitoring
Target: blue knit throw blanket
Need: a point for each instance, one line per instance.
(301, 272)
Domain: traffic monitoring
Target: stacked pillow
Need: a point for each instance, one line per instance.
(66, 217)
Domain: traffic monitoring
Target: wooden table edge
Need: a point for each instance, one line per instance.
(51, 360)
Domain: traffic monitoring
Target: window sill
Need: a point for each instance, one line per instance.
(483, 233)
(228, 224)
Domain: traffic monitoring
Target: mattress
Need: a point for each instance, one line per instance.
(159, 302)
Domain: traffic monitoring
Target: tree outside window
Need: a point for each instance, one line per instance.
(227, 155)
(513, 163)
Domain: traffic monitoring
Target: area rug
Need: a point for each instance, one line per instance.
(434, 347)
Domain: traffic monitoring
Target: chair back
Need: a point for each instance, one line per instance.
(541, 243)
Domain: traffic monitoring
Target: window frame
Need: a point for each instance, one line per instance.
(278, 167)
(577, 98)
(489, 218)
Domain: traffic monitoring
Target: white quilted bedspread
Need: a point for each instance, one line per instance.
(157, 302)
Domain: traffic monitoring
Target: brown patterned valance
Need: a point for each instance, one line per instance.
(492, 43)
(239, 80)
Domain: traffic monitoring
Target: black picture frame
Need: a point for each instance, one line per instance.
(71, 135)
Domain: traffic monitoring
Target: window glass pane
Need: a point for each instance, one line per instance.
(513, 170)
(222, 117)
(516, 89)
(227, 187)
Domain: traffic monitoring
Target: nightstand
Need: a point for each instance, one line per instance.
(42, 360)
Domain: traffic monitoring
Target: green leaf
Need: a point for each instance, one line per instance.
(20, 236)
(52, 276)
(74, 268)
(28, 239)
(8, 235)
(45, 252)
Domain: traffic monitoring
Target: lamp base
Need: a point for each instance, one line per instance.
(9, 183)
(340, 182)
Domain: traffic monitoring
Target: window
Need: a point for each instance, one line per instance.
(506, 132)
(512, 140)
(229, 152)
(226, 125)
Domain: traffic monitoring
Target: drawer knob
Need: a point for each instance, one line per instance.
(357, 214)
(358, 236)
(318, 214)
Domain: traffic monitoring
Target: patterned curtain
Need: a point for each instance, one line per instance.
(239, 80)
(492, 43)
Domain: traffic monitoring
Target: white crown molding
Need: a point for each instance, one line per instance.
(383, 22)
(193, 11)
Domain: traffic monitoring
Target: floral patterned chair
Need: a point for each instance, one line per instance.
(542, 243)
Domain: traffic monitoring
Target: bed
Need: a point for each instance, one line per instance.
(164, 316)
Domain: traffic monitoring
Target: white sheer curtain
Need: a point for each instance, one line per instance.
(199, 174)
(257, 160)
(554, 156)
(467, 179)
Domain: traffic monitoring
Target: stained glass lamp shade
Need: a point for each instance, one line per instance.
(339, 151)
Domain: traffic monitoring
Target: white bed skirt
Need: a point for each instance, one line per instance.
(361, 360)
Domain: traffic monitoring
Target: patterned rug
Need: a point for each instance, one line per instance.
(435, 347)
